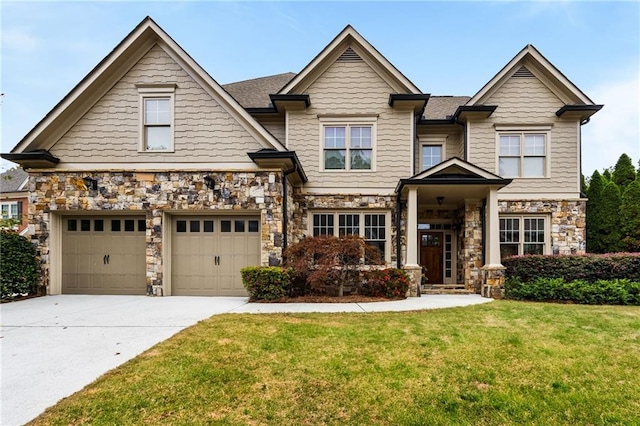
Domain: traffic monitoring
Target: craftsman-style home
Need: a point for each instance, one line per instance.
(150, 177)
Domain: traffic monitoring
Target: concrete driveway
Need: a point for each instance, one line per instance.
(54, 346)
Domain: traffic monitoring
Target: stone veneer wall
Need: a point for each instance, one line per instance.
(154, 193)
(304, 203)
(568, 221)
(472, 246)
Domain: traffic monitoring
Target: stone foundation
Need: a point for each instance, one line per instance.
(493, 281)
(415, 274)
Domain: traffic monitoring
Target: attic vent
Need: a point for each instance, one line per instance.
(349, 56)
(523, 72)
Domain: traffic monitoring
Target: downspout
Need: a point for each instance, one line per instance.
(484, 229)
(285, 208)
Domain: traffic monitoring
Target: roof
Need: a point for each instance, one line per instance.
(13, 180)
(443, 107)
(255, 93)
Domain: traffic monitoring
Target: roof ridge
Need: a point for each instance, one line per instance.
(260, 78)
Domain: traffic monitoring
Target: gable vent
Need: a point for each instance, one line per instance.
(349, 56)
(523, 72)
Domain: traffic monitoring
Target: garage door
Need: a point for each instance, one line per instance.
(103, 255)
(207, 254)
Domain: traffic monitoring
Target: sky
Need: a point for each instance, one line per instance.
(445, 48)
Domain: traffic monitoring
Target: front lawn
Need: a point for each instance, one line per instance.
(497, 363)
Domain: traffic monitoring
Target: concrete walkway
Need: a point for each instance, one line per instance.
(52, 347)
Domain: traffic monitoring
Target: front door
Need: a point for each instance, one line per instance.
(431, 255)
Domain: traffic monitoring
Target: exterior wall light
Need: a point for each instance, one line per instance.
(90, 183)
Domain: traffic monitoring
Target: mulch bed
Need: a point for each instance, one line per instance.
(327, 299)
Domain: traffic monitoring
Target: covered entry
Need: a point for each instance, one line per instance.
(103, 255)
(207, 253)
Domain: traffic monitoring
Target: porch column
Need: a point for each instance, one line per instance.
(412, 228)
(412, 267)
(492, 271)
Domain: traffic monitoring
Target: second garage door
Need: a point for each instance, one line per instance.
(208, 252)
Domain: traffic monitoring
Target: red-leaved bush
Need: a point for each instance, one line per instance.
(391, 283)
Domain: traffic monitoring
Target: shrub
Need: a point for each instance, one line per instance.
(589, 268)
(267, 282)
(18, 266)
(328, 262)
(391, 283)
(600, 292)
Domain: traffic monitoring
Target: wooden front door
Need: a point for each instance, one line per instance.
(431, 255)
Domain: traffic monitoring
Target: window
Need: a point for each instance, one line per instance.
(522, 154)
(156, 118)
(431, 155)
(374, 230)
(348, 146)
(11, 210)
(522, 235)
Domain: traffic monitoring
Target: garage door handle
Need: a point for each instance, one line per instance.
(104, 259)
(216, 260)
(107, 259)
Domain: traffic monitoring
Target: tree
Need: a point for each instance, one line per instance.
(606, 175)
(630, 216)
(594, 221)
(610, 234)
(623, 172)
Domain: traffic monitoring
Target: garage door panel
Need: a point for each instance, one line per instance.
(104, 255)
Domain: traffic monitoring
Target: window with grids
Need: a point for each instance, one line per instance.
(522, 235)
(11, 210)
(372, 227)
(431, 155)
(522, 155)
(348, 147)
(156, 118)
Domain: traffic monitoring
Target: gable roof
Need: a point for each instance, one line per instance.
(349, 37)
(100, 80)
(13, 180)
(254, 93)
(542, 69)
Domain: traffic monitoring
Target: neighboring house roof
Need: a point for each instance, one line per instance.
(542, 69)
(350, 38)
(13, 180)
(96, 84)
(443, 107)
(255, 93)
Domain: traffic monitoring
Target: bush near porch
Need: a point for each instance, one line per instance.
(612, 279)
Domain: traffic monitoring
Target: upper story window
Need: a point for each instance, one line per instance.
(522, 154)
(11, 210)
(348, 146)
(431, 155)
(156, 118)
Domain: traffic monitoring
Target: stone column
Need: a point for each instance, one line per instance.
(492, 271)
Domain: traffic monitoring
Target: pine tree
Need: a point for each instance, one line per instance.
(606, 175)
(594, 221)
(624, 173)
(610, 234)
(630, 216)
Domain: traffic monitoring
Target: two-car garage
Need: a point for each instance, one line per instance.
(107, 254)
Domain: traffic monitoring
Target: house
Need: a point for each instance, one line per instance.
(14, 197)
(149, 176)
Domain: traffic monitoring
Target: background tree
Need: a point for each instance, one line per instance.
(623, 172)
(594, 221)
(630, 216)
(610, 234)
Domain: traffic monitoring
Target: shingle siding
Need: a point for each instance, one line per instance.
(527, 101)
(109, 132)
(345, 88)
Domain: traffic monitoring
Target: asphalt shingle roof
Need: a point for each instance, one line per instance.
(441, 107)
(11, 180)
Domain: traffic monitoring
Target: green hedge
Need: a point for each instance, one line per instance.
(589, 268)
(600, 292)
(391, 283)
(267, 282)
(18, 266)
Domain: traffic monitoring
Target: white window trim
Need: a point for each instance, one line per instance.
(547, 230)
(347, 122)
(9, 204)
(335, 213)
(156, 91)
(522, 131)
(433, 141)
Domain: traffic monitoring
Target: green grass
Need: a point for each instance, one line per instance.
(493, 364)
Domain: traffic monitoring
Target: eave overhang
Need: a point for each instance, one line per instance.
(436, 122)
(444, 180)
(415, 101)
(581, 112)
(41, 159)
(465, 112)
(285, 160)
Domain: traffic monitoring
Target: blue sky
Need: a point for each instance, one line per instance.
(445, 48)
